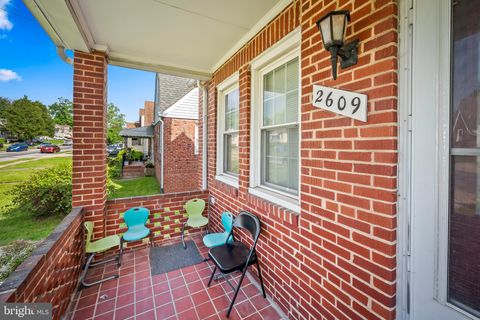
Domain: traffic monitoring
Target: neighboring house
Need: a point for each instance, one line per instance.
(138, 135)
(130, 125)
(62, 131)
(176, 144)
(171, 141)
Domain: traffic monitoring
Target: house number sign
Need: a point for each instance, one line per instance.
(346, 103)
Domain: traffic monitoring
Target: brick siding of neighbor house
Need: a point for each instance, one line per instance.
(148, 107)
(51, 273)
(181, 164)
(167, 215)
(156, 149)
(336, 259)
(90, 136)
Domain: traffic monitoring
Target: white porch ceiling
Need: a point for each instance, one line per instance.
(182, 37)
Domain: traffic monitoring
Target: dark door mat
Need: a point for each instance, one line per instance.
(172, 257)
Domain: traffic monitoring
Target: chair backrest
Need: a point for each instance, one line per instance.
(136, 216)
(227, 221)
(250, 222)
(89, 226)
(194, 207)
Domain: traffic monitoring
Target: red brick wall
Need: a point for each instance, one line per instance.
(337, 258)
(167, 214)
(90, 136)
(51, 273)
(182, 166)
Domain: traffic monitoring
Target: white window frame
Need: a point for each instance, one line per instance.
(225, 87)
(283, 51)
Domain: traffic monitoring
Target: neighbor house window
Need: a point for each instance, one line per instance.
(274, 164)
(228, 128)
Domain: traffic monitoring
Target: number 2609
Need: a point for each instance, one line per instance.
(340, 102)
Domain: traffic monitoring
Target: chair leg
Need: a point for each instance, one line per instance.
(151, 239)
(236, 292)
(120, 255)
(183, 236)
(211, 278)
(84, 274)
(261, 280)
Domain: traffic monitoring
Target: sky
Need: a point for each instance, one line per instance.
(29, 65)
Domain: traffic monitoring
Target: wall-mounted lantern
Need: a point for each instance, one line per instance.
(332, 27)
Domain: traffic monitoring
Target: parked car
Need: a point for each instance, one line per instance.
(18, 147)
(119, 146)
(67, 142)
(49, 148)
(113, 150)
(38, 141)
(43, 144)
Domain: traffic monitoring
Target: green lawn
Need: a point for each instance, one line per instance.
(58, 142)
(40, 164)
(2, 163)
(135, 187)
(16, 224)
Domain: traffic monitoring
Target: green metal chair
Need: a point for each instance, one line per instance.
(194, 210)
(135, 219)
(98, 246)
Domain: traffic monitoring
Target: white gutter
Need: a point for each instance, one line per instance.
(204, 134)
(61, 53)
(161, 152)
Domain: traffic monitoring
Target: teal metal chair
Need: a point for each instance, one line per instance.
(194, 210)
(98, 246)
(135, 219)
(217, 239)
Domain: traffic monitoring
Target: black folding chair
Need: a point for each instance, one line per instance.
(236, 256)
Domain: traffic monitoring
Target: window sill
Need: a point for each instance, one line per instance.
(289, 203)
(229, 180)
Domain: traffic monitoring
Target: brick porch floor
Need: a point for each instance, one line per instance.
(180, 294)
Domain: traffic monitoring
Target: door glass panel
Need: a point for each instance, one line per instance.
(464, 224)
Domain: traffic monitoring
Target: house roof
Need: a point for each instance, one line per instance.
(185, 108)
(140, 132)
(179, 37)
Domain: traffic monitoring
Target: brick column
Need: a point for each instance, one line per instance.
(90, 137)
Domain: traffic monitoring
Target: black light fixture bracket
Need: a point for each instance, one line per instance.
(349, 54)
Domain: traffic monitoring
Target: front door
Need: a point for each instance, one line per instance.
(444, 160)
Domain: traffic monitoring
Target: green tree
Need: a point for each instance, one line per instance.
(4, 103)
(62, 112)
(115, 123)
(28, 119)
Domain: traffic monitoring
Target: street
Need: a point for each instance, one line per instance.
(32, 152)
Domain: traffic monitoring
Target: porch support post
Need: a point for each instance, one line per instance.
(90, 137)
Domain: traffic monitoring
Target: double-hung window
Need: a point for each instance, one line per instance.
(228, 131)
(275, 124)
(279, 128)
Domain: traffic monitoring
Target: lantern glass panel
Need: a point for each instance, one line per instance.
(326, 32)
(339, 26)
